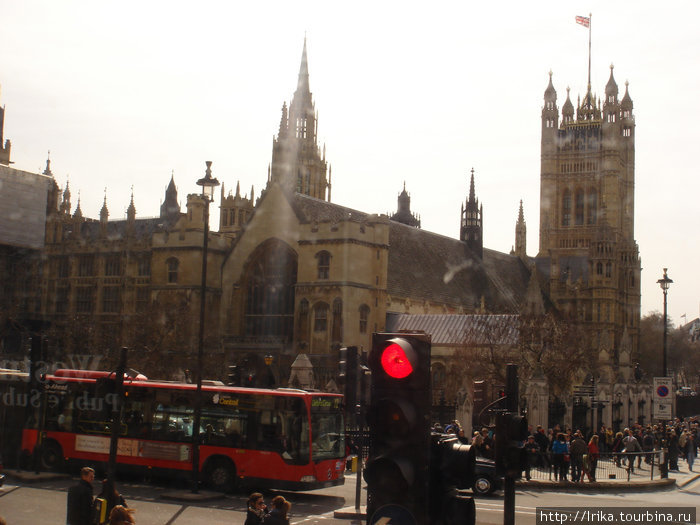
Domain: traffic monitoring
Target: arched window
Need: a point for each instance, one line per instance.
(172, 264)
(599, 268)
(271, 274)
(579, 207)
(324, 264)
(364, 316)
(592, 207)
(337, 331)
(438, 372)
(566, 209)
(608, 269)
(321, 317)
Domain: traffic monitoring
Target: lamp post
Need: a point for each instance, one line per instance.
(665, 283)
(208, 183)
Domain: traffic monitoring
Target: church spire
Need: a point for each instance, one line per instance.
(521, 234)
(297, 161)
(471, 224)
(303, 81)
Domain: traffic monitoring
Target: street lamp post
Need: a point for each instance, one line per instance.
(208, 183)
(665, 283)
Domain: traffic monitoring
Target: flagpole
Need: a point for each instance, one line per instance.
(590, 22)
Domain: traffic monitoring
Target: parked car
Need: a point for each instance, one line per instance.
(486, 480)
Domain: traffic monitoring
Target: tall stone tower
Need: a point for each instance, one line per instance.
(297, 161)
(587, 244)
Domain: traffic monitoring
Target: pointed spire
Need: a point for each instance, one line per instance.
(252, 194)
(238, 190)
(78, 213)
(472, 194)
(131, 210)
(550, 94)
(303, 82)
(521, 215)
(284, 121)
(626, 102)
(47, 171)
(104, 212)
(611, 86)
(223, 192)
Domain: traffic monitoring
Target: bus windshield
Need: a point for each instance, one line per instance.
(327, 428)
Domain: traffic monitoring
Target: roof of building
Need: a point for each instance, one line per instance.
(426, 265)
(451, 330)
(429, 266)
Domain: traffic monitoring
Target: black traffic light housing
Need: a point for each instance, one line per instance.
(348, 370)
(511, 434)
(397, 471)
(452, 467)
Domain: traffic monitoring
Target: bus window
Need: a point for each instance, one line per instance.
(173, 421)
(137, 413)
(327, 428)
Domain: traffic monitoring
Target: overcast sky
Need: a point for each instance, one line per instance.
(125, 93)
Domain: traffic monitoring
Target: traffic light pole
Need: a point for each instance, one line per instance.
(361, 438)
(512, 407)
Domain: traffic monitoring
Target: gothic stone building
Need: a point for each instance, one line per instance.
(292, 273)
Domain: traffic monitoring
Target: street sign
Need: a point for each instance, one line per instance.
(663, 398)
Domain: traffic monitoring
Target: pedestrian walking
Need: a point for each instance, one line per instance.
(257, 510)
(279, 515)
(79, 503)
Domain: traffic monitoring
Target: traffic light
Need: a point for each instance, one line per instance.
(397, 471)
(348, 372)
(511, 433)
(452, 466)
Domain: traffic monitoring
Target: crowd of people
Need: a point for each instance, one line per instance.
(571, 455)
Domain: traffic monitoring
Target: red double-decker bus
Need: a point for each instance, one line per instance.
(283, 438)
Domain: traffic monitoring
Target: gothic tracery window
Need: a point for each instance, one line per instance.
(270, 278)
(566, 209)
(321, 317)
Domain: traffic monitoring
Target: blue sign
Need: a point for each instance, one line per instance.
(662, 391)
(392, 515)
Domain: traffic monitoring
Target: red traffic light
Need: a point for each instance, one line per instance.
(397, 359)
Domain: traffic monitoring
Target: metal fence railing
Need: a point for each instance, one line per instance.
(610, 465)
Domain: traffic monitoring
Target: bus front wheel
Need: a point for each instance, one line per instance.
(50, 456)
(220, 474)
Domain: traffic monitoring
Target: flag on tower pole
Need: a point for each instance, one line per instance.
(583, 20)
